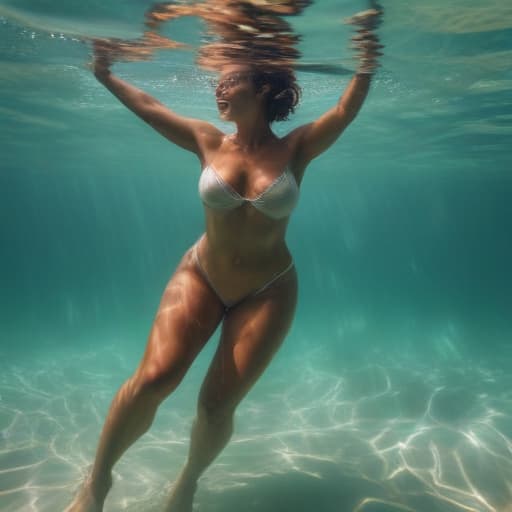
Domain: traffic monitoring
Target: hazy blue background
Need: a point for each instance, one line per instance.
(402, 240)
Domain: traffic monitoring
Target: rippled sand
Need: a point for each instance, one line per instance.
(377, 438)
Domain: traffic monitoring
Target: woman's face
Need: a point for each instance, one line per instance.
(235, 93)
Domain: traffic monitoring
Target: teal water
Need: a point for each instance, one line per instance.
(392, 391)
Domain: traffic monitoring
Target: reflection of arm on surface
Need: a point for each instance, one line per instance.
(183, 131)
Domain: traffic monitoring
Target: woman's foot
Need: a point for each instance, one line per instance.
(182, 495)
(88, 501)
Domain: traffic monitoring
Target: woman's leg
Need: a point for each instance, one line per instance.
(252, 332)
(188, 314)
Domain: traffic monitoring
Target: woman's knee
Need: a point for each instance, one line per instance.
(157, 380)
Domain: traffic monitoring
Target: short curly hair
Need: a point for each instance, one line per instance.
(284, 93)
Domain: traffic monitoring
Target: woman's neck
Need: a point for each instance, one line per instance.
(252, 136)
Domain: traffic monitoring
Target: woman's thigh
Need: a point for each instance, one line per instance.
(188, 314)
(252, 332)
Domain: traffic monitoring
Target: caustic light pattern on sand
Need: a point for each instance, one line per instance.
(390, 437)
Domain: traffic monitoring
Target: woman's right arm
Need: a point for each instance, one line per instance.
(188, 133)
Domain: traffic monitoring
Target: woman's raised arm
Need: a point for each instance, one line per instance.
(314, 138)
(188, 133)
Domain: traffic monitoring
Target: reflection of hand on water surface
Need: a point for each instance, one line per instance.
(108, 51)
(252, 31)
(366, 42)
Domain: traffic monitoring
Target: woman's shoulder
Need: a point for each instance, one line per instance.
(295, 136)
(208, 135)
(294, 140)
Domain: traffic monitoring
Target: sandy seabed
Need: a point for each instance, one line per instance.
(377, 438)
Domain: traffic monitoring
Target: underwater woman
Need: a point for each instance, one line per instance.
(240, 274)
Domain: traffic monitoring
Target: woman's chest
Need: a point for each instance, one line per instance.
(250, 173)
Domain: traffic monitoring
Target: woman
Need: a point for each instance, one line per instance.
(240, 273)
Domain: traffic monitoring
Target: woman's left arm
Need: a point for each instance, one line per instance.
(314, 138)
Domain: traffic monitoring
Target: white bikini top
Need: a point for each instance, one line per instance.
(276, 201)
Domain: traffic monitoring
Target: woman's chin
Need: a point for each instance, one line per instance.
(224, 115)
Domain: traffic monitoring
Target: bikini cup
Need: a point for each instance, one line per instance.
(277, 201)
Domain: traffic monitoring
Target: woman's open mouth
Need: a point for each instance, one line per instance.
(222, 105)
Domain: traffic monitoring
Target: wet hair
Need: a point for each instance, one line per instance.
(284, 93)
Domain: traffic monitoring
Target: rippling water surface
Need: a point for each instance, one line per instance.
(393, 389)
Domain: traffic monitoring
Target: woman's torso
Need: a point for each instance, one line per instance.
(250, 196)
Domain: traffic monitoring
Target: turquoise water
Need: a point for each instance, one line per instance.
(393, 389)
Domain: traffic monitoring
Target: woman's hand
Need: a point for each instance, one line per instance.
(366, 42)
(102, 58)
(108, 51)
